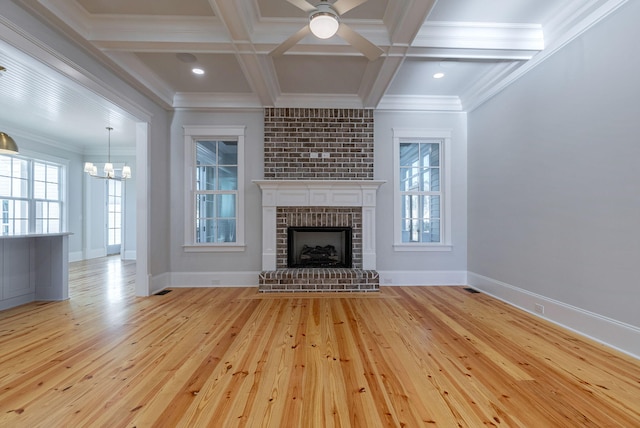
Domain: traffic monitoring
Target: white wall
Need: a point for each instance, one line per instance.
(554, 194)
(420, 268)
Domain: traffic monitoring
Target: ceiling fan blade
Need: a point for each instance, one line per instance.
(343, 6)
(302, 4)
(290, 42)
(368, 49)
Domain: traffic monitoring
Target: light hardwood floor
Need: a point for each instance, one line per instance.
(227, 357)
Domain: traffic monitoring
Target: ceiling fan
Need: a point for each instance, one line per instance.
(324, 22)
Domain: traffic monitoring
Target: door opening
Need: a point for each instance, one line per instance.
(114, 216)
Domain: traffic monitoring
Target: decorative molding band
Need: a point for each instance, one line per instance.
(212, 100)
(422, 277)
(420, 103)
(319, 101)
(621, 336)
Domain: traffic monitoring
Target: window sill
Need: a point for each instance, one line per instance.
(208, 248)
(422, 247)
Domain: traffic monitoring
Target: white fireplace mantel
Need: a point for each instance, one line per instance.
(318, 193)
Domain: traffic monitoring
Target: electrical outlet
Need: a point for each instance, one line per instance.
(539, 308)
(313, 154)
(326, 154)
(215, 282)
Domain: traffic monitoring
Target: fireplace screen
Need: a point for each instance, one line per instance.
(319, 247)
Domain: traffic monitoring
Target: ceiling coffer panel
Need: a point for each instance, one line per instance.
(222, 72)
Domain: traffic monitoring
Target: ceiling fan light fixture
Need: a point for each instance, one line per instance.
(324, 22)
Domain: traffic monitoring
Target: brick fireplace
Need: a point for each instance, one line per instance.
(318, 173)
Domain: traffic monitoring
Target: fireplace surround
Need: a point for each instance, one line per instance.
(316, 203)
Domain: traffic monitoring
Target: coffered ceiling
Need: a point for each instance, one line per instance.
(480, 46)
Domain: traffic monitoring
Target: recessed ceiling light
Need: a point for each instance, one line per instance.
(438, 75)
(197, 70)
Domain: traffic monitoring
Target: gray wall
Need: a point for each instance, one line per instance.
(251, 259)
(554, 193)
(387, 258)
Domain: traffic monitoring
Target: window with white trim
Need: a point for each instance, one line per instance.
(31, 196)
(214, 217)
(421, 189)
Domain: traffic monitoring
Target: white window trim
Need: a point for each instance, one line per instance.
(191, 134)
(402, 134)
(64, 164)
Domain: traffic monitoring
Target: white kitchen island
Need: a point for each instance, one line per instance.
(33, 267)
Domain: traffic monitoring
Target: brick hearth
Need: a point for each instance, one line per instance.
(319, 280)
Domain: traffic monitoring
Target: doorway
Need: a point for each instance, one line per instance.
(115, 210)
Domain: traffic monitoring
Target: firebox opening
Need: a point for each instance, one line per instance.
(319, 247)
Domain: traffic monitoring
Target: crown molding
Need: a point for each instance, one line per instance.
(319, 101)
(420, 103)
(210, 100)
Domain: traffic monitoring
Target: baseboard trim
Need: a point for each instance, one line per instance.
(214, 279)
(425, 278)
(95, 254)
(76, 256)
(159, 282)
(615, 334)
(129, 255)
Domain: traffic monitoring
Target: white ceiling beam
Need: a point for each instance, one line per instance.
(403, 25)
(373, 87)
(470, 54)
(166, 47)
(480, 35)
(238, 18)
(404, 19)
(137, 28)
(139, 71)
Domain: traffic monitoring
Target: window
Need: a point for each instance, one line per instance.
(214, 214)
(30, 196)
(422, 214)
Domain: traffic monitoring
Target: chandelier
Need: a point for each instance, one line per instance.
(109, 173)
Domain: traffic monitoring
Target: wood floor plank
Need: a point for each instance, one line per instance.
(230, 357)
